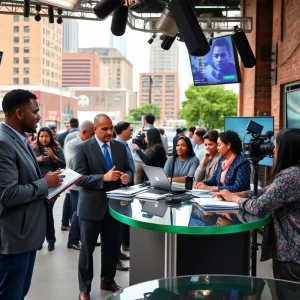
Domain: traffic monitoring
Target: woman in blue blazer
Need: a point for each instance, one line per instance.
(233, 171)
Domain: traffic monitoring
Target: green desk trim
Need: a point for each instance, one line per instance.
(208, 230)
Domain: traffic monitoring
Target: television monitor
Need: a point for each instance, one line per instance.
(219, 66)
(239, 125)
(293, 109)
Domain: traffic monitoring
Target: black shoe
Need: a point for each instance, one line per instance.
(51, 247)
(98, 244)
(74, 246)
(121, 266)
(123, 256)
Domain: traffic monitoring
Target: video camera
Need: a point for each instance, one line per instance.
(140, 140)
(260, 145)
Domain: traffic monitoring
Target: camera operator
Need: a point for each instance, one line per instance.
(282, 199)
(138, 175)
(155, 153)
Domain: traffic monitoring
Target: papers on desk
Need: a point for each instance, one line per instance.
(199, 193)
(70, 178)
(126, 193)
(214, 204)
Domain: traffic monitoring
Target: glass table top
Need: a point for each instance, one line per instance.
(186, 218)
(211, 287)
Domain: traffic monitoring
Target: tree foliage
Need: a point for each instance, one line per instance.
(135, 114)
(208, 105)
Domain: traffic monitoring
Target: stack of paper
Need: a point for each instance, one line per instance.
(214, 204)
(126, 193)
(199, 193)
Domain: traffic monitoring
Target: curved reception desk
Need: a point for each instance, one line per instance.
(168, 240)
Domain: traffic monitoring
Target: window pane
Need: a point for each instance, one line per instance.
(26, 39)
(16, 18)
(16, 49)
(16, 28)
(26, 19)
(26, 60)
(16, 60)
(16, 80)
(26, 81)
(26, 29)
(26, 70)
(26, 50)
(16, 39)
(16, 70)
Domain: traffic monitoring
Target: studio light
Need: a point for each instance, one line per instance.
(167, 42)
(119, 20)
(59, 20)
(166, 23)
(37, 16)
(26, 8)
(50, 14)
(105, 7)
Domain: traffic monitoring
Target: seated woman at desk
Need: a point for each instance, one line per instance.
(155, 154)
(209, 162)
(185, 163)
(281, 240)
(233, 170)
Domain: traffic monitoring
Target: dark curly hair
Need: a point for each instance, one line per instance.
(233, 138)
(188, 143)
(52, 144)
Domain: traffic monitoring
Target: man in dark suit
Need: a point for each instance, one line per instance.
(104, 164)
(23, 193)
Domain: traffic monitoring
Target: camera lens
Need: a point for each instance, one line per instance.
(266, 149)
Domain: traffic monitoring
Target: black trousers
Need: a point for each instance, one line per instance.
(286, 271)
(50, 231)
(109, 230)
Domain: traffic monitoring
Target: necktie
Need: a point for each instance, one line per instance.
(107, 156)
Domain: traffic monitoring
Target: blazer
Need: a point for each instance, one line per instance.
(210, 167)
(22, 196)
(237, 178)
(89, 161)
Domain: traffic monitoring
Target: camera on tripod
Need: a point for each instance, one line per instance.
(140, 140)
(260, 145)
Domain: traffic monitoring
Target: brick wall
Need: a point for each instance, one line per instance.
(286, 33)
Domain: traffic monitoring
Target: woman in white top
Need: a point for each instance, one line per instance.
(209, 162)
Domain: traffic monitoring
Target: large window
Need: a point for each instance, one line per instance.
(16, 60)
(16, 70)
(16, 18)
(26, 60)
(16, 50)
(26, 49)
(16, 39)
(16, 80)
(26, 29)
(26, 70)
(26, 39)
(16, 28)
(26, 81)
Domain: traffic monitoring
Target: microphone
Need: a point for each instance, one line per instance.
(105, 7)
(174, 156)
(119, 20)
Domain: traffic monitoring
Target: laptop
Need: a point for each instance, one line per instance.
(155, 208)
(159, 180)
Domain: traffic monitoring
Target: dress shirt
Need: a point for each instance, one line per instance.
(129, 154)
(199, 151)
(100, 143)
(23, 137)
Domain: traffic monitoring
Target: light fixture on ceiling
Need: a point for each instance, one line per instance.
(37, 16)
(26, 8)
(66, 4)
(59, 19)
(51, 14)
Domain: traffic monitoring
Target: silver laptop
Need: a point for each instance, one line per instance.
(159, 180)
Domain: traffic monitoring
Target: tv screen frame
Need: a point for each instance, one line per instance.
(267, 161)
(204, 64)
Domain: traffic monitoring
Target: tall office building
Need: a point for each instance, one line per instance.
(80, 69)
(120, 69)
(119, 43)
(162, 60)
(164, 92)
(32, 51)
(70, 35)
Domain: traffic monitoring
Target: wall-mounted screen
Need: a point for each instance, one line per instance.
(219, 66)
(239, 125)
(293, 109)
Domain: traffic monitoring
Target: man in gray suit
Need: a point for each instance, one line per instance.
(104, 164)
(23, 193)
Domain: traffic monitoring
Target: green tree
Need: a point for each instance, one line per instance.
(208, 106)
(135, 114)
